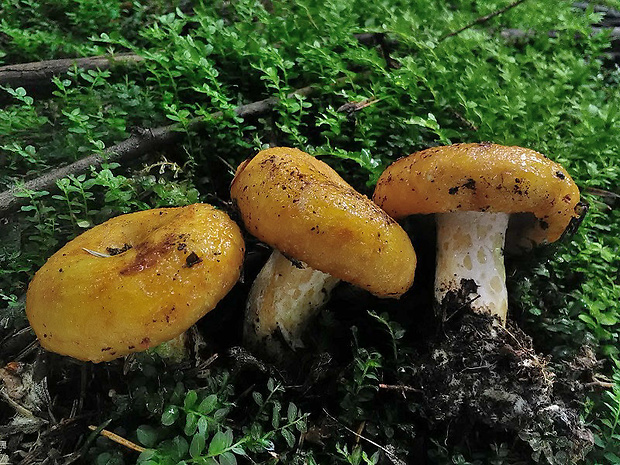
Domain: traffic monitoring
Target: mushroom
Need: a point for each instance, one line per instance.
(324, 231)
(134, 282)
(473, 189)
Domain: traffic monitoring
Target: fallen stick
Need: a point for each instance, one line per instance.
(141, 143)
(482, 19)
(614, 33)
(400, 388)
(145, 141)
(610, 15)
(36, 77)
(118, 439)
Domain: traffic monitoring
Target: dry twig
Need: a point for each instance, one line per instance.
(483, 19)
(400, 388)
(141, 143)
(393, 457)
(36, 77)
(135, 146)
(118, 439)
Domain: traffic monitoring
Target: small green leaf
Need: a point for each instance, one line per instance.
(190, 400)
(228, 458)
(191, 422)
(180, 446)
(238, 450)
(613, 458)
(587, 319)
(147, 435)
(207, 405)
(258, 398)
(170, 415)
(203, 425)
(301, 426)
(275, 415)
(288, 437)
(197, 445)
(220, 414)
(291, 414)
(146, 456)
(220, 442)
(177, 394)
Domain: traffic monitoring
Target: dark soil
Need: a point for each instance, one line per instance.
(486, 377)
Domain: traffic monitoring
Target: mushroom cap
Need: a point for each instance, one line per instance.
(303, 208)
(482, 177)
(165, 269)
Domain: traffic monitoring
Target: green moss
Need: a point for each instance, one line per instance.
(411, 85)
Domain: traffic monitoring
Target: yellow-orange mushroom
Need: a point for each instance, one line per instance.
(135, 281)
(302, 208)
(472, 189)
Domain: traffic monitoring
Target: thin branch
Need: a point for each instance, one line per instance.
(118, 439)
(516, 34)
(614, 32)
(36, 76)
(607, 11)
(393, 457)
(133, 147)
(602, 193)
(400, 388)
(483, 19)
(601, 384)
(352, 107)
(141, 143)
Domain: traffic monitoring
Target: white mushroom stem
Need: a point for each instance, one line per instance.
(470, 247)
(282, 301)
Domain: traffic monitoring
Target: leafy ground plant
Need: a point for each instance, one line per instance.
(358, 84)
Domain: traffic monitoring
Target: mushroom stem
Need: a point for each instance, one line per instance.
(174, 350)
(283, 299)
(470, 262)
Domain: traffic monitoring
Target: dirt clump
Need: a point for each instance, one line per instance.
(481, 374)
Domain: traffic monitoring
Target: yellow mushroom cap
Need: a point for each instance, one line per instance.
(135, 281)
(303, 208)
(482, 177)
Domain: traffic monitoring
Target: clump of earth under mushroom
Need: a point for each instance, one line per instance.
(484, 375)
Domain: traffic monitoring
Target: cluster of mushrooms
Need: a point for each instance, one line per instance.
(141, 279)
